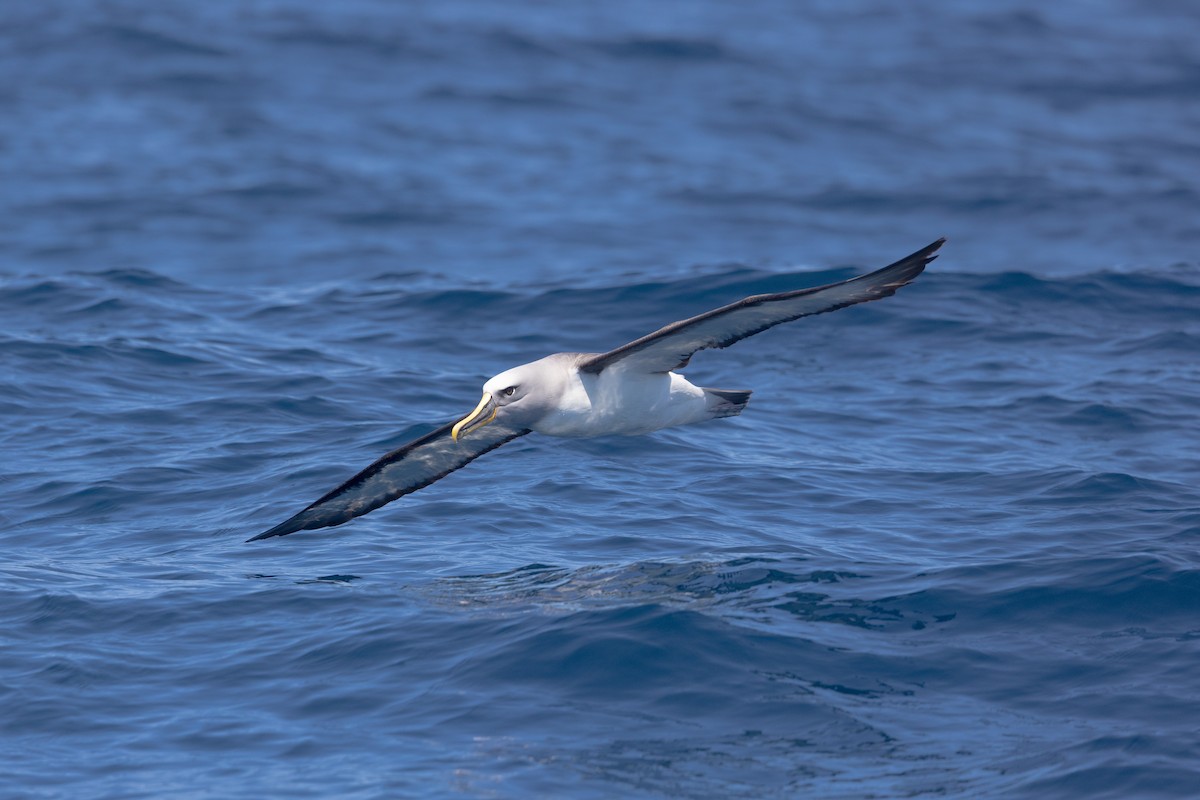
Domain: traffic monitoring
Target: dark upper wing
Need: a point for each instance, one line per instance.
(414, 466)
(671, 347)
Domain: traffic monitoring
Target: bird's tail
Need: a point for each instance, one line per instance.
(726, 402)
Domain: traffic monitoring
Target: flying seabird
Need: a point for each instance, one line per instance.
(630, 390)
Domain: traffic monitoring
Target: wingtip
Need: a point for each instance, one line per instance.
(282, 529)
(929, 250)
(900, 273)
(912, 265)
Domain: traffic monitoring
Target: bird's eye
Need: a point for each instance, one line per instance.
(509, 392)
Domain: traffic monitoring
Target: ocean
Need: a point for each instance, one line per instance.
(950, 549)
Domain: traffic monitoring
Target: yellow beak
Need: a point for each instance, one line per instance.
(484, 413)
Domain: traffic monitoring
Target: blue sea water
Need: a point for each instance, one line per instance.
(950, 549)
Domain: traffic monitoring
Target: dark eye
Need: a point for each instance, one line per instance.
(509, 392)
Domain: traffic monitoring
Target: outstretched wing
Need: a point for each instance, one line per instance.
(413, 466)
(673, 346)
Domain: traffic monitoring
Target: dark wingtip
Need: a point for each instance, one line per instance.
(282, 529)
(927, 253)
(906, 269)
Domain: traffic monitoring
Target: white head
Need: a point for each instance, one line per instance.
(519, 396)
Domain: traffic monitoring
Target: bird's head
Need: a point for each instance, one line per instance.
(517, 397)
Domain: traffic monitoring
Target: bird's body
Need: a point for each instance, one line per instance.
(631, 390)
(613, 402)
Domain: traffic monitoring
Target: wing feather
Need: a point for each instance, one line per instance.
(673, 346)
(414, 466)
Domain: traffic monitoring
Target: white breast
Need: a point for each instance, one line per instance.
(615, 402)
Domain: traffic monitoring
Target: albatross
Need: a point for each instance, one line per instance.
(633, 389)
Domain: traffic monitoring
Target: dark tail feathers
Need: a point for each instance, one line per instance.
(727, 402)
